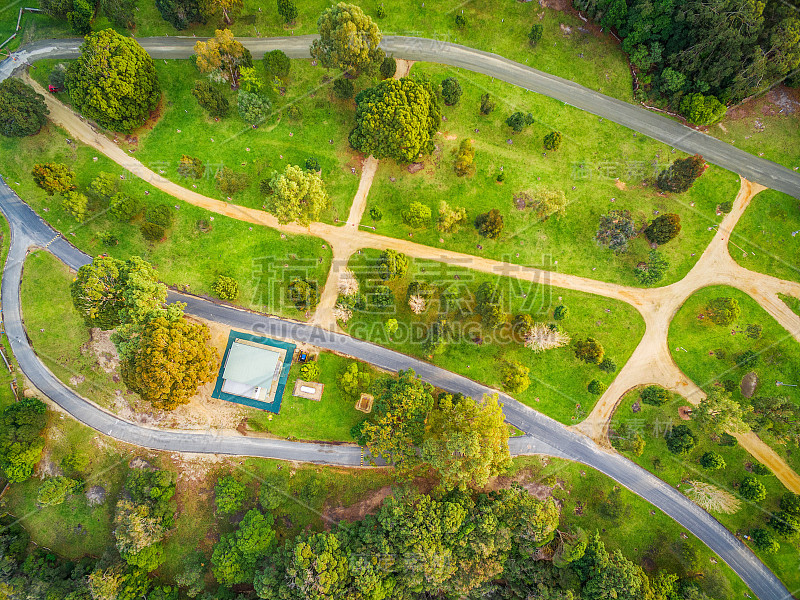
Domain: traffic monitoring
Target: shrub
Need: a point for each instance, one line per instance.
(417, 215)
(302, 293)
(461, 21)
(702, 110)
(681, 174)
(465, 159)
(226, 288)
(726, 439)
(680, 439)
(451, 91)
(515, 377)
(596, 387)
(253, 107)
(654, 269)
(312, 164)
(589, 350)
(535, 34)
(725, 207)
(552, 141)
(23, 111)
(388, 67)
(229, 495)
(152, 232)
(663, 228)
(343, 88)
(191, 167)
(230, 182)
(765, 541)
(381, 12)
(616, 229)
(392, 265)
(355, 379)
(761, 469)
(560, 312)
(450, 219)
(790, 503)
(76, 461)
(310, 371)
(654, 395)
(210, 99)
(276, 64)
(104, 186)
(54, 178)
(487, 104)
(785, 524)
(625, 439)
(57, 76)
(124, 207)
(723, 310)
(518, 120)
(753, 331)
(76, 204)
(375, 213)
(747, 359)
(712, 461)
(55, 491)
(522, 323)
(490, 224)
(545, 202)
(501, 177)
(161, 215)
(752, 489)
(607, 365)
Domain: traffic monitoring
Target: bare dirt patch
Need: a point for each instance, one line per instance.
(620, 184)
(368, 506)
(685, 412)
(102, 348)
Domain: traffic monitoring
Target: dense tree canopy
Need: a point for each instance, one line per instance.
(180, 13)
(224, 54)
(22, 111)
(398, 118)
(681, 174)
(54, 178)
(297, 195)
(348, 40)
(21, 440)
(114, 81)
(718, 413)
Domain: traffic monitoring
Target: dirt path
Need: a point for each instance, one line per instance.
(651, 361)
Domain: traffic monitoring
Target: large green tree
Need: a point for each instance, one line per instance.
(22, 111)
(114, 81)
(297, 195)
(718, 413)
(348, 40)
(398, 118)
(236, 554)
(223, 54)
(21, 441)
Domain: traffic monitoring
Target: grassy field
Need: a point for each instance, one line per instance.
(262, 260)
(652, 422)
(330, 419)
(764, 239)
(616, 325)
(594, 153)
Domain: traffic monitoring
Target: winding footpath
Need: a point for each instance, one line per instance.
(651, 361)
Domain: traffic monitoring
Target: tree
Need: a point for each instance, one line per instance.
(607, 365)
(765, 541)
(702, 110)
(53, 177)
(540, 337)
(515, 377)
(466, 442)
(180, 13)
(297, 195)
(303, 293)
(450, 219)
(596, 387)
(535, 34)
(545, 202)
(616, 229)
(488, 300)
(76, 205)
(388, 67)
(560, 312)
(712, 461)
(785, 524)
(723, 311)
(490, 224)
(21, 441)
(625, 439)
(153, 232)
(231, 182)
(173, 359)
(518, 120)
(418, 215)
(114, 82)
(22, 111)
(96, 293)
(681, 174)
(55, 490)
(225, 287)
(663, 228)
(104, 186)
(76, 461)
(277, 64)
(343, 88)
(552, 141)
(609, 575)
(589, 350)
(487, 104)
(355, 379)
(191, 167)
(392, 265)
(287, 9)
(57, 9)
(451, 91)
(465, 159)
(81, 16)
(120, 12)
(391, 326)
(192, 573)
(348, 40)
(227, 9)
(680, 439)
(210, 98)
(236, 554)
(229, 495)
(223, 54)
(310, 371)
(57, 77)
(398, 118)
(790, 503)
(253, 108)
(653, 270)
(752, 489)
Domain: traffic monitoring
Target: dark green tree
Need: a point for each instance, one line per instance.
(451, 91)
(490, 224)
(663, 228)
(287, 9)
(681, 174)
(518, 121)
(343, 88)
(180, 13)
(22, 111)
(535, 34)
(752, 489)
(680, 439)
(487, 104)
(589, 350)
(712, 461)
(303, 293)
(210, 98)
(229, 495)
(615, 230)
(81, 16)
(21, 440)
(723, 310)
(388, 67)
(552, 141)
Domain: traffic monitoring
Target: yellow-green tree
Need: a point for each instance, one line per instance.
(297, 195)
(225, 9)
(223, 53)
(348, 40)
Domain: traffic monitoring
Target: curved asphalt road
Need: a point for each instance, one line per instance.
(634, 117)
(543, 435)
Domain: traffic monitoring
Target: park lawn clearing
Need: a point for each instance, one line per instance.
(652, 423)
(329, 419)
(200, 246)
(766, 233)
(594, 154)
(558, 379)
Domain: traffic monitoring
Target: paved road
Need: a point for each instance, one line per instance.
(634, 117)
(543, 435)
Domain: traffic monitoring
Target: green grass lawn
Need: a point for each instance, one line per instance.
(764, 233)
(558, 379)
(330, 419)
(651, 422)
(566, 244)
(262, 260)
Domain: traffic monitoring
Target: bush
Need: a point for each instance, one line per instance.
(723, 310)
(381, 12)
(726, 439)
(518, 120)
(450, 219)
(589, 350)
(355, 379)
(560, 312)
(790, 503)
(535, 34)
(726, 207)
(343, 88)
(76, 204)
(76, 461)
(310, 371)
(607, 365)
(490, 224)
(152, 232)
(680, 439)
(277, 64)
(392, 265)
(451, 91)
(253, 107)
(765, 541)
(388, 68)
(303, 294)
(501, 177)
(654, 395)
(615, 230)
(57, 76)
(191, 167)
(418, 215)
(230, 182)
(226, 288)
(753, 331)
(382, 296)
(461, 21)
(761, 469)
(752, 489)
(747, 359)
(375, 213)
(702, 110)
(210, 99)
(663, 228)
(55, 491)
(161, 215)
(785, 524)
(552, 141)
(596, 387)
(515, 377)
(465, 159)
(712, 461)
(312, 164)
(229, 495)
(487, 104)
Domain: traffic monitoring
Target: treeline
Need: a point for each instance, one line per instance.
(723, 49)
